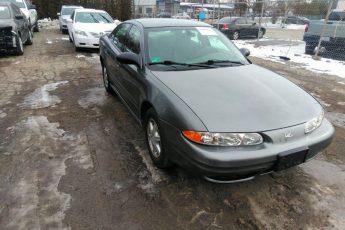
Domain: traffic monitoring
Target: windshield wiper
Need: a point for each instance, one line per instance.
(212, 62)
(93, 17)
(172, 63)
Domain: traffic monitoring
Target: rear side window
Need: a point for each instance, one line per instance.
(118, 37)
(4, 12)
(133, 43)
(337, 16)
(225, 20)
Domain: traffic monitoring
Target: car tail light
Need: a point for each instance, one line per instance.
(225, 27)
(306, 27)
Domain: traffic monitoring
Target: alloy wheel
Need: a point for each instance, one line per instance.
(105, 78)
(236, 35)
(154, 138)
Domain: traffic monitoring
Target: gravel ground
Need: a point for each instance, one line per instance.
(71, 156)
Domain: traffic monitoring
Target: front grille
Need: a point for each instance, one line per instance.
(5, 31)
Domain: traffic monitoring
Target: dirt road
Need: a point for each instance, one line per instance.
(71, 156)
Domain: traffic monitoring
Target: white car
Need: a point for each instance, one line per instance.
(29, 10)
(86, 26)
(64, 15)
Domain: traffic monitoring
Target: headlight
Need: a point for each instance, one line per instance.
(314, 123)
(81, 33)
(224, 139)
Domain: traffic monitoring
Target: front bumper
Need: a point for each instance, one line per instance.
(241, 162)
(330, 43)
(86, 42)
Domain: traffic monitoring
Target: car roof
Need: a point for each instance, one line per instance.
(71, 6)
(168, 22)
(88, 10)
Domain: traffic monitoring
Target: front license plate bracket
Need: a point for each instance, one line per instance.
(290, 159)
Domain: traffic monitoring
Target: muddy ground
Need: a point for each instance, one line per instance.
(72, 157)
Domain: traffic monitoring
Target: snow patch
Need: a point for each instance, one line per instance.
(294, 51)
(41, 98)
(2, 114)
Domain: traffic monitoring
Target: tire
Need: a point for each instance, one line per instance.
(30, 39)
(70, 39)
(260, 34)
(235, 35)
(309, 49)
(155, 140)
(105, 77)
(36, 28)
(20, 46)
(77, 49)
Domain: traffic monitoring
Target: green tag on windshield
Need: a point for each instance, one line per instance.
(155, 59)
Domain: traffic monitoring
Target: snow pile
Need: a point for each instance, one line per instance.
(295, 51)
(47, 23)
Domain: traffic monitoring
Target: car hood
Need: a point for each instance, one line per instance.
(7, 23)
(95, 27)
(241, 99)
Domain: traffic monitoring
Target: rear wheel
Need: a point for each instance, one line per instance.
(155, 140)
(235, 35)
(20, 46)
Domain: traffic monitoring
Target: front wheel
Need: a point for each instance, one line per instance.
(36, 28)
(106, 79)
(30, 39)
(20, 46)
(155, 140)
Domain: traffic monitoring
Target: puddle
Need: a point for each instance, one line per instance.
(41, 98)
(40, 150)
(94, 97)
(329, 185)
(337, 119)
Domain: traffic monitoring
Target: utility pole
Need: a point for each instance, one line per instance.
(133, 8)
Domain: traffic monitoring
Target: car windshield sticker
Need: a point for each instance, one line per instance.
(206, 31)
(155, 59)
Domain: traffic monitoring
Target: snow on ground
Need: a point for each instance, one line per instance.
(295, 51)
(48, 23)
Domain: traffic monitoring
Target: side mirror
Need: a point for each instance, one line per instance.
(19, 17)
(58, 14)
(245, 52)
(32, 7)
(129, 59)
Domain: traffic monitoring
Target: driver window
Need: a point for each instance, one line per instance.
(133, 41)
(118, 37)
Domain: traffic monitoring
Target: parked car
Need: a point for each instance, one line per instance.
(14, 29)
(204, 106)
(86, 26)
(239, 27)
(64, 14)
(296, 20)
(181, 16)
(164, 15)
(332, 38)
(29, 10)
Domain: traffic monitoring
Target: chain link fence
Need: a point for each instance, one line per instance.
(289, 27)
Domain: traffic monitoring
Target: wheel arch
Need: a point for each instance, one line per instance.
(145, 106)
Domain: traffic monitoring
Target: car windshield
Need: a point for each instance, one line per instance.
(4, 12)
(191, 45)
(93, 17)
(67, 11)
(18, 3)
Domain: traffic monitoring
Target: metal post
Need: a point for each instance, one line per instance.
(218, 13)
(324, 27)
(260, 19)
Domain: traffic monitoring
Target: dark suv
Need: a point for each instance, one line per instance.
(239, 27)
(14, 29)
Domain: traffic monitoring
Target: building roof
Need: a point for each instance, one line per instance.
(168, 22)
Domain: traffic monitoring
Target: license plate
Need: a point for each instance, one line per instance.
(290, 159)
(325, 39)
